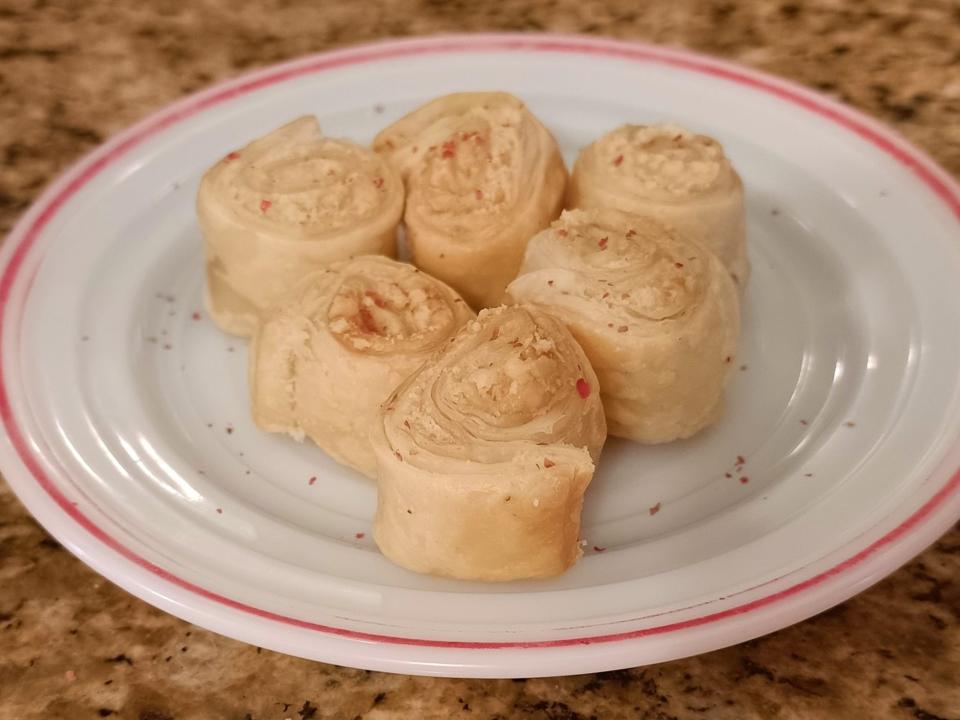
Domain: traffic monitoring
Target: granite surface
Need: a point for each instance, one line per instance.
(74, 646)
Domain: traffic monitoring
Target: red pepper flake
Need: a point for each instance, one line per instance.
(367, 323)
(196, 316)
(597, 548)
(312, 480)
(850, 423)
(625, 296)
(378, 182)
(740, 460)
(617, 160)
(602, 243)
(583, 387)
(360, 536)
(678, 264)
(478, 193)
(804, 423)
(605, 296)
(549, 283)
(548, 463)
(449, 149)
(655, 509)
(562, 233)
(233, 156)
(478, 140)
(220, 511)
(744, 479)
(727, 475)
(495, 334)
(265, 205)
(406, 424)
(396, 454)
(727, 359)
(229, 430)
(622, 329)
(377, 300)
(631, 232)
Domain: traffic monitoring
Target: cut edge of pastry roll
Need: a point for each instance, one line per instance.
(483, 175)
(285, 204)
(484, 453)
(324, 359)
(657, 315)
(667, 172)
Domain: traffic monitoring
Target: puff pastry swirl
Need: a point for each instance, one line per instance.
(323, 360)
(483, 176)
(657, 315)
(485, 452)
(284, 205)
(674, 175)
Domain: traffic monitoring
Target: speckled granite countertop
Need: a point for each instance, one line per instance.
(74, 646)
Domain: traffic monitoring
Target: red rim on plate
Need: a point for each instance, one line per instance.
(25, 234)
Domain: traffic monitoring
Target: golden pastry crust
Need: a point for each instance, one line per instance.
(673, 175)
(485, 452)
(284, 205)
(323, 359)
(657, 315)
(483, 176)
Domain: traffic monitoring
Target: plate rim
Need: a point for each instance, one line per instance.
(929, 518)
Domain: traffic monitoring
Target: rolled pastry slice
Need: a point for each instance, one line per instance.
(673, 175)
(657, 315)
(483, 176)
(485, 452)
(323, 360)
(287, 204)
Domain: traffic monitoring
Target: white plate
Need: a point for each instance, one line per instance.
(128, 433)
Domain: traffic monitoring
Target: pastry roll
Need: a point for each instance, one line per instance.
(485, 452)
(323, 360)
(483, 176)
(287, 204)
(673, 175)
(657, 314)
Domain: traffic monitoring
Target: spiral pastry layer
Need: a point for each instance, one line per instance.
(287, 204)
(484, 453)
(673, 175)
(324, 358)
(483, 176)
(656, 314)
